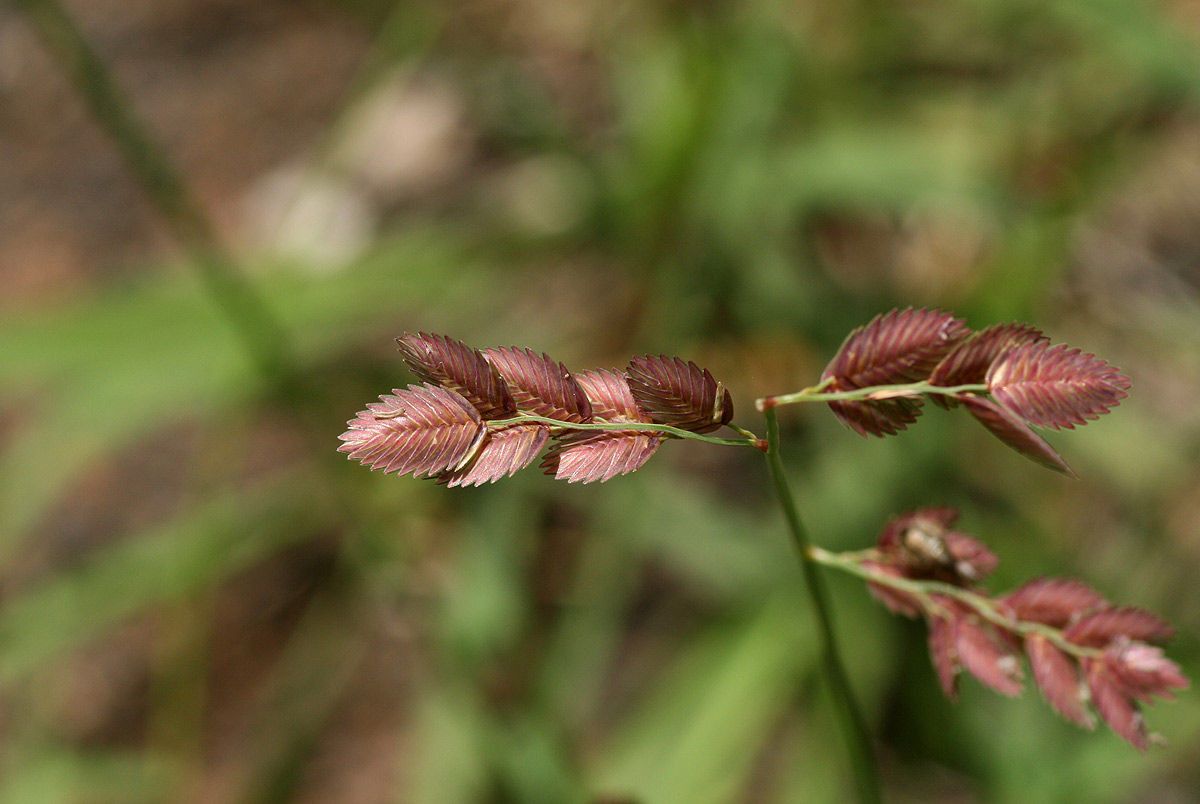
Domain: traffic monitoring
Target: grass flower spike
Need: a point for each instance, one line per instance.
(479, 416)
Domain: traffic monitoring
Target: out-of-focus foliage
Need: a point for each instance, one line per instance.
(201, 600)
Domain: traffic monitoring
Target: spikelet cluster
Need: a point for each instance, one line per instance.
(452, 427)
(1029, 381)
(1114, 668)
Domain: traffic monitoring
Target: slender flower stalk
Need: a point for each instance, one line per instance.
(854, 728)
(749, 439)
(892, 391)
(928, 591)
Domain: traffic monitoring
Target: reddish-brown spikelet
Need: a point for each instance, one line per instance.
(679, 394)
(877, 417)
(986, 656)
(1052, 601)
(973, 561)
(457, 367)
(899, 346)
(1055, 386)
(1009, 428)
(597, 457)
(941, 517)
(1144, 671)
(1114, 704)
(422, 429)
(895, 347)
(919, 544)
(505, 452)
(968, 362)
(1100, 628)
(600, 456)
(608, 392)
(943, 652)
(539, 385)
(1058, 679)
(895, 600)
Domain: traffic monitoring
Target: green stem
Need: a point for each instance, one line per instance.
(746, 433)
(853, 726)
(926, 590)
(528, 418)
(815, 394)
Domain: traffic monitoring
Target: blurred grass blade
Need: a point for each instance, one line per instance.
(199, 548)
(697, 736)
(109, 369)
(60, 775)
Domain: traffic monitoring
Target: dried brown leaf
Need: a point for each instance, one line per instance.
(457, 367)
(1058, 679)
(421, 429)
(679, 394)
(1009, 428)
(539, 385)
(505, 452)
(1055, 386)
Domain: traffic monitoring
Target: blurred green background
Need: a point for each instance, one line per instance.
(200, 600)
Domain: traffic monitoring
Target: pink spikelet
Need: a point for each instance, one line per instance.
(539, 385)
(457, 427)
(1115, 705)
(969, 361)
(1053, 601)
(1104, 626)
(1058, 679)
(986, 656)
(1019, 379)
(679, 394)
(422, 430)
(900, 346)
(457, 367)
(505, 452)
(1079, 647)
(594, 457)
(1055, 386)
(943, 652)
(1007, 426)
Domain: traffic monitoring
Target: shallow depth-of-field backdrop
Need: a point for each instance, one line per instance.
(201, 600)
